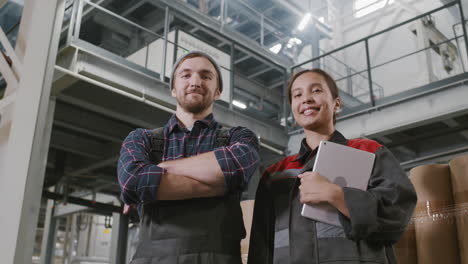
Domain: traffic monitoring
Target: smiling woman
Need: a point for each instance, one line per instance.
(370, 220)
(323, 84)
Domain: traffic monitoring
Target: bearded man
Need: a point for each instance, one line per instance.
(186, 177)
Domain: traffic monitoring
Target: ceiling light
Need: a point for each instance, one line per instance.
(293, 41)
(304, 21)
(276, 48)
(239, 104)
(321, 19)
(296, 41)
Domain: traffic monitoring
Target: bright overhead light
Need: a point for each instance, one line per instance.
(293, 41)
(276, 48)
(239, 104)
(304, 21)
(321, 19)
(365, 7)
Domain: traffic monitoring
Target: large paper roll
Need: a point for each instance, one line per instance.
(459, 171)
(247, 212)
(405, 248)
(435, 228)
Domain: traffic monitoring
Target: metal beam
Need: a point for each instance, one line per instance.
(118, 249)
(104, 111)
(276, 83)
(431, 134)
(78, 145)
(408, 112)
(451, 122)
(132, 6)
(97, 165)
(62, 209)
(241, 59)
(192, 15)
(273, 135)
(259, 90)
(90, 123)
(406, 150)
(10, 51)
(241, 24)
(258, 17)
(89, 203)
(259, 72)
(221, 44)
(29, 134)
(49, 234)
(439, 156)
(86, 131)
(121, 28)
(464, 133)
(68, 209)
(408, 7)
(290, 7)
(194, 29)
(384, 139)
(139, 84)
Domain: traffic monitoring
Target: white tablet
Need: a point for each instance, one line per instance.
(344, 166)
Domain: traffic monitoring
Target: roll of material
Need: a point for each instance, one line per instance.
(247, 213)
(405, 248)
(459, 172)
(435, 227)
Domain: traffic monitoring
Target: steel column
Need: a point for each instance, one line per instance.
(48, 235)
(462, 15)
(166, 33)
(369, 73)
(28, 137)
(119, 238)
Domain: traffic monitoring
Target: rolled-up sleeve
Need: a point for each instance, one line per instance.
(239, 159)
(381, 213)
(138, 177)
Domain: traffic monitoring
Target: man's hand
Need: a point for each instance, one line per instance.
(315, 189)
(126, 209)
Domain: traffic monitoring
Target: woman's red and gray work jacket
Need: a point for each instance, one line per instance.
(378, 216)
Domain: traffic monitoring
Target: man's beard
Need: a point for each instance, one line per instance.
(194, 106)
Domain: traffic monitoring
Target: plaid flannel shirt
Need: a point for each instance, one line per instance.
(139, 178)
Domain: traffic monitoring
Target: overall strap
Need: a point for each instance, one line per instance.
(157, 144)
(222, 137)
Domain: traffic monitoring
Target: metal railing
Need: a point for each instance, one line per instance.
(381, 90)
(142, 45)
(260, 24)
(10, 34)
(364, 83)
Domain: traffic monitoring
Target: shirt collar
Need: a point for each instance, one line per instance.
(306, 152)
(174, 123)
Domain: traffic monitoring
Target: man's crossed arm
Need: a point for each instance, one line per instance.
(193, 177)
(205, 175)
